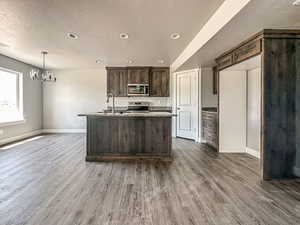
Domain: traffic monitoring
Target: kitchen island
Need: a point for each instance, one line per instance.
(116, 136)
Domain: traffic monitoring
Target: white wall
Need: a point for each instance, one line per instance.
(154, 101)
(232, 111)
(253, 109)
(80, 91)
(208, 98)
(32, 97)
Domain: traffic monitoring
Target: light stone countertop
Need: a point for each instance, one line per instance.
(149, 114)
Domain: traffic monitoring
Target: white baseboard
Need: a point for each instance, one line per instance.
(199, 140)
(297, 171)
(253, 152)
(20, 137)
(64, 131)
(231, 149)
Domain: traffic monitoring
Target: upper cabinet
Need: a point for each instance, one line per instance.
(117, 81)
(160, 82)
(138, 75)
(158, 79)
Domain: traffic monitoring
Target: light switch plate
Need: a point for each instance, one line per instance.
(1, 132)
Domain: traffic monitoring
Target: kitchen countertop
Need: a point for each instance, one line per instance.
(148, 114)
(151, 109)
(210, 109)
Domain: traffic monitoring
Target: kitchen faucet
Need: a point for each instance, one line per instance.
(107, 101)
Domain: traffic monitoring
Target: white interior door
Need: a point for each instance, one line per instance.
(187, 104)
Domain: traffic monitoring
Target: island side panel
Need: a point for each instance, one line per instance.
(131, 137)
(103, 135)
(158, 132)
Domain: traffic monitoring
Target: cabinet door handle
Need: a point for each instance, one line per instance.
(178, 108)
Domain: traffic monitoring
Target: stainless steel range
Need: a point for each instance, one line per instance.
(138, 107)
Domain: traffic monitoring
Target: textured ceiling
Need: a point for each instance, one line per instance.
(30, 26)
(256, 16)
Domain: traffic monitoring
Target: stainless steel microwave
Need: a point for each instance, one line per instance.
(138, 90)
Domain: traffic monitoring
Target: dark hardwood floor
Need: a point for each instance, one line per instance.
(48, 182)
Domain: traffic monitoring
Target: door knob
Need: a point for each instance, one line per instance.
(178, 108)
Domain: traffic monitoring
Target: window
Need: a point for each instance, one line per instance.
(11, 102)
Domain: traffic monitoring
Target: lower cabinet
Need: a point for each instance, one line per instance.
(210, 128)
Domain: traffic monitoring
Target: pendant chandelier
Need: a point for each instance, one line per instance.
(44, 76)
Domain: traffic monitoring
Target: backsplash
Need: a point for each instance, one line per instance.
(154, 101)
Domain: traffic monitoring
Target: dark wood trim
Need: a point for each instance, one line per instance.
(248, 50)
(115, 68)
(215, 80)
(160, 68)
(109, 158)
(281, 33)
(256, 36)
(138, 67)
(218, 111)
(266, 33)
(231, 57)
(225, 61)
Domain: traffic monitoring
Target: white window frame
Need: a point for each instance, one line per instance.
(20, 118)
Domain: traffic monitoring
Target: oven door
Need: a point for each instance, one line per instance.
(138, 90)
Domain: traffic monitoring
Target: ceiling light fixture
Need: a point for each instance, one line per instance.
(296, 3)
(72, 35)
(124, 36)
(44, 76)
(98, 61)
(161, 61)
(175, 36)
(130, 61)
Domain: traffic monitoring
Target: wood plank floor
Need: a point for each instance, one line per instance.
(48, 182)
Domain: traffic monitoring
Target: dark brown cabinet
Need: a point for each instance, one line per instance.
(117, 81)
(279, 52)
(210, 127)
(158, 79)
(159, 82)
(138, 75)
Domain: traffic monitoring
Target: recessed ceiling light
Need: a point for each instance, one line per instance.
(130, 61)
(124, 36)
(161, 61)
(98, 61)
(72, 35)
(175, 36)
(296, 3)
